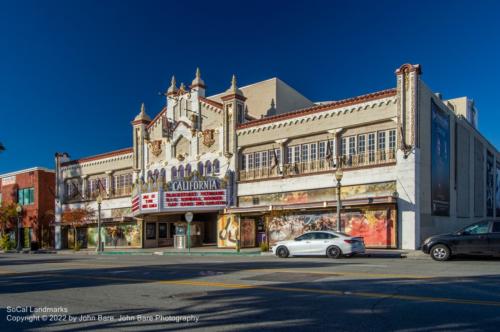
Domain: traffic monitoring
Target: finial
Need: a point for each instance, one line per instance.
(198, 72)
(233, 83)
(173, 85)
(143, 108)
(142, 115)
(272, 103)
(182, 87)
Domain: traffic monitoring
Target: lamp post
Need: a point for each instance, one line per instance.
(19, 210)
(99, 201)
(338, 176)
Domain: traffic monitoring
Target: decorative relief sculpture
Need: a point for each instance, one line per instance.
(208, 137)
(155, 147)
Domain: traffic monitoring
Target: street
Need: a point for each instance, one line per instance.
(167, 293)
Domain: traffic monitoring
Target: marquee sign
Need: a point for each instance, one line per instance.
(188, 194)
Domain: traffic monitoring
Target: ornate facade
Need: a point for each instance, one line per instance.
(257, 163)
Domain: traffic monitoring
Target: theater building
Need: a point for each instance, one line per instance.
(258, 163)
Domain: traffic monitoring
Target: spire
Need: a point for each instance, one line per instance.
(234, 88)
(173, 86)
(142, 115)
(198, 82)
(182, 87)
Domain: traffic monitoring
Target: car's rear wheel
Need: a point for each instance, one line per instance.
(333, 252)
(440, 252)
(282, 252)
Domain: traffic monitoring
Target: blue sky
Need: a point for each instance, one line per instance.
(73, 73)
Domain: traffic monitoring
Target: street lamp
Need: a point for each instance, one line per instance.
(339, 173)
(19, 209)
(99, 202)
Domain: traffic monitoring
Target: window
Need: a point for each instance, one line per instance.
(278, 155)
(200, 168)
(352, 145)
(296, 154)
(361, 144)
(333, 150)
(381, 144)
(250, 161)
(163, 174)
(208, 167)
(156, 175)
(264, 159)
(305, 152)
(173, 172)
(257, 160)
(479, 228)
(244, 162)
(123, 182)
(371, 147)
(217, 166)
(392, 141)
(496, 227)
(150, 231)
(323, 236)
(26, 196)
(344, 147)
(181, 171)
(162, 230)
(188, 170)
(241, 114)
(322, 150)
(289, 155)
(314, 151)
(96, 185)
(307, 236)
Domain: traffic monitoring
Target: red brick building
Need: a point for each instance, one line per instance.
(33, 189)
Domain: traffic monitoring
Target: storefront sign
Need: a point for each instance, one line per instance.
(209, 183)
(215, 198)
(149, 201)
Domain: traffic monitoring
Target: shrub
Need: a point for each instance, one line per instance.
(78, 246)
(6, 243)
(264, 247)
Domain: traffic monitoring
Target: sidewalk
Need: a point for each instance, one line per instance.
(213, 251)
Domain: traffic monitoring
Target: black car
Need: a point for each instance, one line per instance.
(482, 238)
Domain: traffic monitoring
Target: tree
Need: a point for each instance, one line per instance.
(8, 214)
(77, 217)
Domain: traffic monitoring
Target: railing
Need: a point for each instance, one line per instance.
(92, 195)
(372, 158)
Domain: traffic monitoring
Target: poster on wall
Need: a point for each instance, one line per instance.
(497, 191)
(490, 183)
(376, 226)
(227, 231)
(440, 161)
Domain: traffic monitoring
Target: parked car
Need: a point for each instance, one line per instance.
(329, 243)
(481, 238)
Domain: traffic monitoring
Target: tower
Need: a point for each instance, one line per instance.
(233, 114)
(139, 137)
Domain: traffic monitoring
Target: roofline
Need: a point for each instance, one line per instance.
(319, 108)
(32, 169)
(163, 110)
(210, 102)
(98, 156)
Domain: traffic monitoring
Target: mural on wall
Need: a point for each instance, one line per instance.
(497, 189)
(227, 228)
(490, 183)
(377, 226)
(440, 161)
(227, 231)
(320, 195)
(126, 235)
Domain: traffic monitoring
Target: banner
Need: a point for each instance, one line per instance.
(440, 161)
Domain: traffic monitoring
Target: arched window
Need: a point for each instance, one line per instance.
(181, 171)
(156, 175)
(216, 166)
(188, 170)
(163, 174)
(200, 168)
(150, 175)
(174, 172)
(208, 167)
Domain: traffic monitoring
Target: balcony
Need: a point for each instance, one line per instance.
(91, 196)
(368, 159)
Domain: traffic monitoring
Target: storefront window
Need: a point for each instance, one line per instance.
(162, 230)
(150, 231)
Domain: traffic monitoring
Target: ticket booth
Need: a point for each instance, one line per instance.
(180, 237)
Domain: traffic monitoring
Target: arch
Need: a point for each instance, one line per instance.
(156, 175)
(200, 168)
(188, 170)
(173, 173)
(216, 166)
(163, 175)
(150, 175)
(208, 167)
(181, 171)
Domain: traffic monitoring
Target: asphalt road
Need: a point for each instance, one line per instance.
(218, 293)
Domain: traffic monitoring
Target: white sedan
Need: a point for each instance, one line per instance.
(329, 243)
